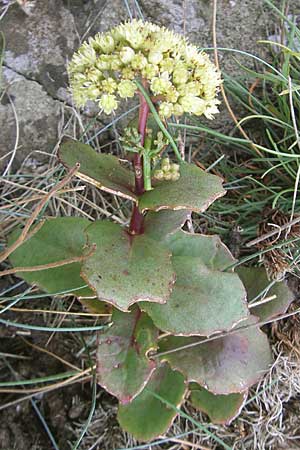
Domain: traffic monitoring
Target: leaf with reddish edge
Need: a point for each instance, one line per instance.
(160, 225)
(221, 409)
(127, 269)
(258, 288)
(195, 190)
(103, 171)
(223, 365)
(146, 417)
(123, 367)
(204, 299)
(58, 239)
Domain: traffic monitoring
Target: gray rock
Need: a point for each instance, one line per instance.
(37, 115)
(38, 45)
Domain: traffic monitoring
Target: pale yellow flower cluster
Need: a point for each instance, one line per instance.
(182, 78)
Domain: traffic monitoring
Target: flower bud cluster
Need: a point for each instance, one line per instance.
(168, 171)
(182, 78)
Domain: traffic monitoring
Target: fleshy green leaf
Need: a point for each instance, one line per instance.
(224, 365)
(159, 225)
(127, 269)
(123, 367)
(221, 409)
(146, 417)
(195, 190)
(103, 171)
(256, 283)
(204, 299)
(58, 239)
(94, 305)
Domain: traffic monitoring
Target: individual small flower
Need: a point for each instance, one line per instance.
(126, 55)
(193, 104)
(180, 75)
(105, 42)
(126, 89)
(139, 61)
(155, 57)
(109, 85)
(108, 103)
(182, 78)
(166, 109)
(161, 85)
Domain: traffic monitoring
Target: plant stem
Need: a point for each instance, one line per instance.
(147, 99)
(147, 164)
(137, 218)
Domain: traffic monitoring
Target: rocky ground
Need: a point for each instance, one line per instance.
(41, 36)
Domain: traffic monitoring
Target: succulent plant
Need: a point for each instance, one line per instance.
(180, 320)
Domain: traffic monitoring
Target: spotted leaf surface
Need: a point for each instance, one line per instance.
(127, 269)
(123, 367)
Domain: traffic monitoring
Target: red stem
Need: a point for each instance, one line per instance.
(137, 219)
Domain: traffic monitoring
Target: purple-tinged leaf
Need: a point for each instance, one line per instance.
(224, 365)
(123, 367)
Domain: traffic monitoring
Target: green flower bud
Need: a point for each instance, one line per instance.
(126, 89)
(108, 103)
(175, 176)
(158, 174)
(165, 164)
(168, 176)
